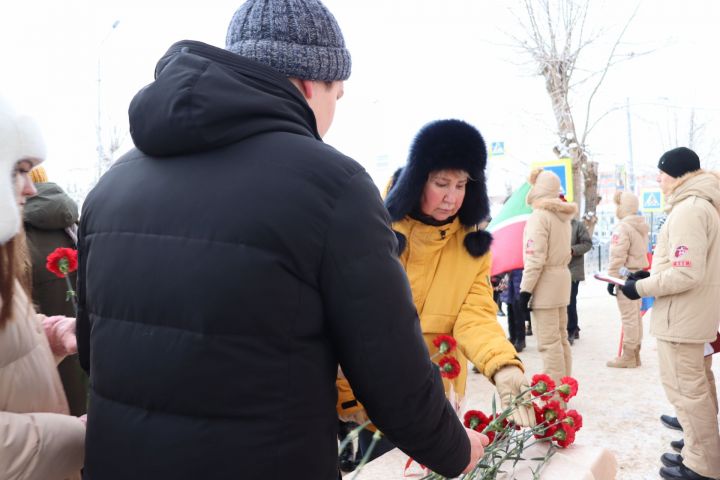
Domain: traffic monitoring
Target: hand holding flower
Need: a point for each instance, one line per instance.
(60, 332)
(477, 443)
(512, 385)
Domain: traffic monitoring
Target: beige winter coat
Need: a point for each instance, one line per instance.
(685, 278)
(546, 241)
(629, 245)
(38, 439)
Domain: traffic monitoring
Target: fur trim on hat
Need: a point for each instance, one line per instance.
(478, 243)
(443, 145)
(533, 176)
(31, 145)
(555, 205)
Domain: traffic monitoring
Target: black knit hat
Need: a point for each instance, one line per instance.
(445, 145)
(299, 38)
(679, 161)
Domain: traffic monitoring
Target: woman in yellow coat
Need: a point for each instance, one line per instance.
(436, 203)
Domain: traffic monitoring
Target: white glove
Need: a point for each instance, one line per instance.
(510, 381)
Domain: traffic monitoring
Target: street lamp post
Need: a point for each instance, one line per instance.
(98, 128)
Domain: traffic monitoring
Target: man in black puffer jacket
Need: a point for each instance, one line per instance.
(233, 260)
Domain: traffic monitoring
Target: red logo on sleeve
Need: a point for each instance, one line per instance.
(530, 246)
(615, 239)
(681, 251)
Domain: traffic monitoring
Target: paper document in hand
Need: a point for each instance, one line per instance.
(713, 347)
(609, 278)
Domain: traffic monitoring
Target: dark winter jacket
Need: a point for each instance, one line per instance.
(47, 216)
(580, 244)
(50, 222)
(226, 266)
(512, 292)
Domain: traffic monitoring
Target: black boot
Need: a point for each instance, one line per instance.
(519, 345)
(671, 459)
(677, 445)
(681, 472)
(671, 422)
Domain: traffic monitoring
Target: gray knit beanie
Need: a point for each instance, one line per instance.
(299, 38)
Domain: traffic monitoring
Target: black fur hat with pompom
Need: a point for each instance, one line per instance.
(446, 145)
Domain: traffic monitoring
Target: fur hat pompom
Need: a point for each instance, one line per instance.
(443, 145)
(533, 176)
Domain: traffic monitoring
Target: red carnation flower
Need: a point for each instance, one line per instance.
(564, 436)
(541, 385)
(445, 343)
(552, 412)
(568, 388)
(449, 367)
(574, 419)
(475, 419)
(62, 261)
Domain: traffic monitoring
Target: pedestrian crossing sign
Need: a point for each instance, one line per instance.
(651, 200)
(497, 149)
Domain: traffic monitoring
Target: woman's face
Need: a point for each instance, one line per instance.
(443, 194)
(24, 186)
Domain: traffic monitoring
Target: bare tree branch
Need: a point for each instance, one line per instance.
(604, 72)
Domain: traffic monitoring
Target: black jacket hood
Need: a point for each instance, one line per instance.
(204, 98)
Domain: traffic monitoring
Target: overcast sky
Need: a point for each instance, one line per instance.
(413, 61)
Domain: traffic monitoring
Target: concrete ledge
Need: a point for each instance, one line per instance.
(578, 462)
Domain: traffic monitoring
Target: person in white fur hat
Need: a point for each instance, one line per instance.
(9, 217)
(628, 248)
(43, 441)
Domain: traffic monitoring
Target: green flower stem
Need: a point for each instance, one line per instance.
(71, 295)
(352, 436)
(376, 438)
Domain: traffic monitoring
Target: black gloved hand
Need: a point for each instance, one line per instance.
(639, 275)
(629, 289)
(611, 289)
(525, 301)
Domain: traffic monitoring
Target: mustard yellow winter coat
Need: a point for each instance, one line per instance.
(453, 295)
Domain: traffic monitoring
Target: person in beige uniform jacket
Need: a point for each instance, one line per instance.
(685, 281)
(546, 276)
(628, 248)
(38, 439)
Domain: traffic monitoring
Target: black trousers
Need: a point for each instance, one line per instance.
(572, 325)
(516, 321)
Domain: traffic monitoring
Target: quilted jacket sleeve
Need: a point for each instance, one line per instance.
(376, 331)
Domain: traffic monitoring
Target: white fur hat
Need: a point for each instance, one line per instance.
(20, 139)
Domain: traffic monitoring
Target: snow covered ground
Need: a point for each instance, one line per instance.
(621, 408)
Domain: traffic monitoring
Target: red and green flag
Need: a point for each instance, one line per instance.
(507, 230)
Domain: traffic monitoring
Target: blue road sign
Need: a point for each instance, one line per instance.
(497, 148)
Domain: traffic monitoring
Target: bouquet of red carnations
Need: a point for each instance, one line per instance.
(555, 425)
